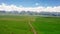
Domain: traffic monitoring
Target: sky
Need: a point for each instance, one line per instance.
(30, 5)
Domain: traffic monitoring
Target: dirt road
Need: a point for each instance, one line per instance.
(32, 28)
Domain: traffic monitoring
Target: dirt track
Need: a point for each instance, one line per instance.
(32, 28)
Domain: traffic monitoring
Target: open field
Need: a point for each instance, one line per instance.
(47, 25)
(20, 25)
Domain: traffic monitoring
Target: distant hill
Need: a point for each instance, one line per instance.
(30, 13)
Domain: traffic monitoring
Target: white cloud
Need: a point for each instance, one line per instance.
(36, 4)
(21, 8)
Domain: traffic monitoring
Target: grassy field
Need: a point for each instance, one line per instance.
(14, 25)
(19, 25)
(47, 25)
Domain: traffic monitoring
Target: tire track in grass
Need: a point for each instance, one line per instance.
(32, 28)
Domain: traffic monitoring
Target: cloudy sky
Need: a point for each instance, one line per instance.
(30, 5)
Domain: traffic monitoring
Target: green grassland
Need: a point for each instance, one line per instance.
(14, 25)
(47, 25)
(19, 25)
